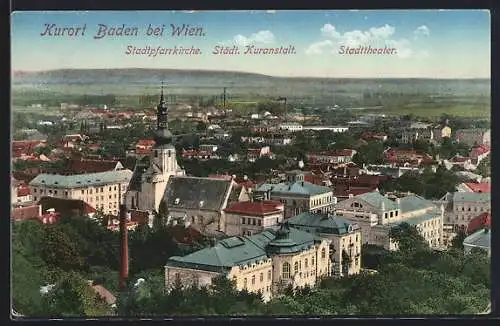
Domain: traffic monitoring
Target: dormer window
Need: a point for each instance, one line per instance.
(177, 201)
(156, 153)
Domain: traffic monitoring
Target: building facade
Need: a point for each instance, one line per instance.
(344, 237)
(467, 205)
(104, 190)
(267, 262)
(298, 195)
(377, 214)
(251, 217)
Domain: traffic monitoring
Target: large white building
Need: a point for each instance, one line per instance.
(462, 207)
(377, 214)
(268, 261)
(149, 180)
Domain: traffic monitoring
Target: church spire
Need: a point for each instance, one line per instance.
(163, 135)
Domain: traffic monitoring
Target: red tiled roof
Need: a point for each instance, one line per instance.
(146, 142)
(479, 222)
(26, 212)
(255, 208)
(479, 150)
(23, 190)
(460, 159)
(479, 187)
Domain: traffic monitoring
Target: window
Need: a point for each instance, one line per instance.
(385, 215)
(300, 264)
(268, 275)
(259, 222)
(245, 282)
(323, 253)
(102, 197)
(109, 188)
(261, 277)
(102, 189)
(296, 267)
(312, 261)
(242, 220)
(305, 263)
(253, 279)
(285, 270)
(392, 214)
(83, 192)
(115, 188)
(254, 222)
(34, 190)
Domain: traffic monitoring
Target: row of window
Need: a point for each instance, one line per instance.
(91, 199)
(476, 209)
(391, 214)
(297, 267)
(251, 221)
(253, 278)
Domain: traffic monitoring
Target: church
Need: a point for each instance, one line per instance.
(192, 200)
(149, 181)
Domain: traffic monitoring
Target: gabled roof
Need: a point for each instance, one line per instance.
(81, 180)
(479, 187)
(414, 203)
(480, 239)
(196, 193)
(299, 188)
(66, 206)
(479, 222)
(375, 199)
(471, 196)
(322, 223)
(255, 208)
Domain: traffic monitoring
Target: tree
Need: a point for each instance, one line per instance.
(408, 238)
(72, 296)
(58, 249)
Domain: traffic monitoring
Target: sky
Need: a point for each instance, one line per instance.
(427, 43)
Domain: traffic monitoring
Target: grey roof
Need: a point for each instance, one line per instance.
(240, 251)
(414, 202)
(135, 181)
(471, 196)
(196, 193)
(481, 239)
(375, 199)
(297, 188)
(81, 180)
(321, 223)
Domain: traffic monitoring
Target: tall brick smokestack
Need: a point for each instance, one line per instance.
(123, 247)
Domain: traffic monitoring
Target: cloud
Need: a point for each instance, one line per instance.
(189, 11)
(422, 31)
(270, 11)
(378, 36)
(265, 37)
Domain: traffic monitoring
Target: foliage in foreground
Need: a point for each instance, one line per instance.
(414, 280)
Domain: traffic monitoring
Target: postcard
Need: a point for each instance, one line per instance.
(250, 163)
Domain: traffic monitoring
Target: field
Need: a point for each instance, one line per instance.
(129, 87)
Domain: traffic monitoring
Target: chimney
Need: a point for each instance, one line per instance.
(123, 248)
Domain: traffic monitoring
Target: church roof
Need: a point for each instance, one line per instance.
(196, 193)
(135, 181)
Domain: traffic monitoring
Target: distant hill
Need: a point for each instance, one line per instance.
(248, 82)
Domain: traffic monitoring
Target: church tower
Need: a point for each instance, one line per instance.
(162, 165)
